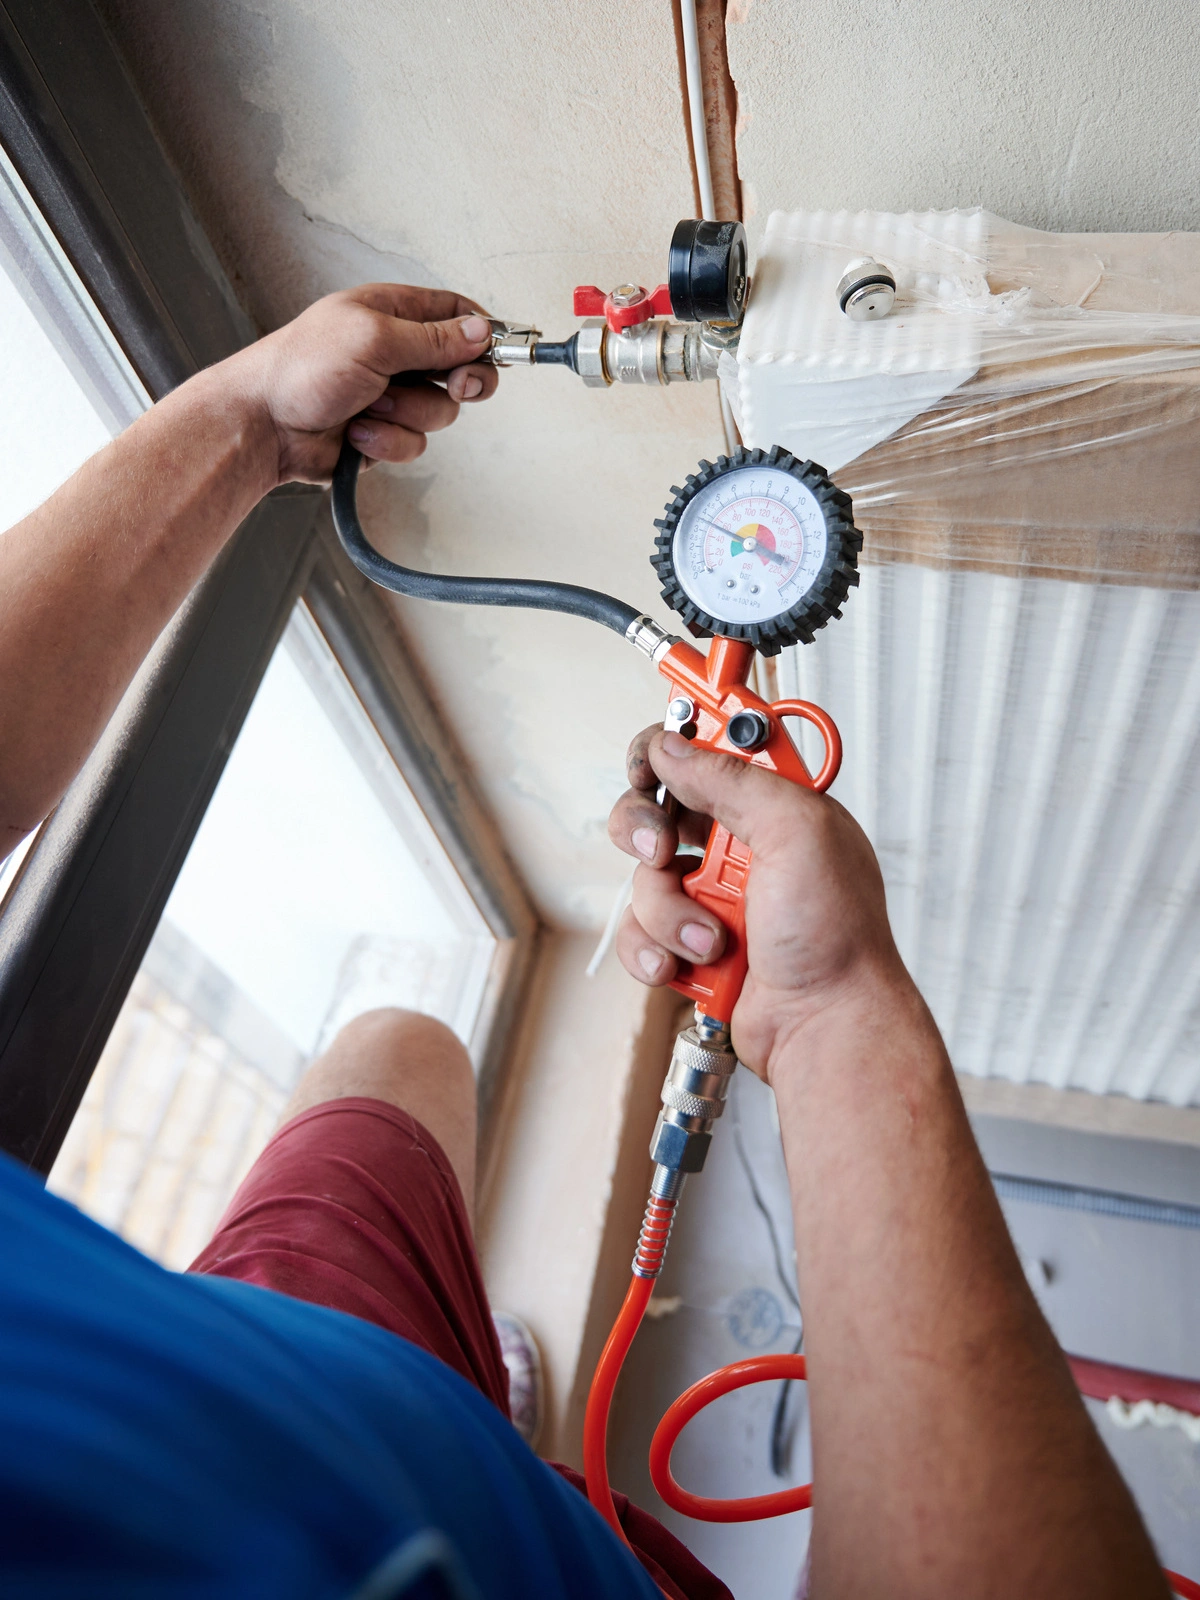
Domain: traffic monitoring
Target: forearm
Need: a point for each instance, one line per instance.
(91, 578)
(951, 1452)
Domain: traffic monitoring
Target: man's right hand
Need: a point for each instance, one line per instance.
(331, 367)
(816, 916)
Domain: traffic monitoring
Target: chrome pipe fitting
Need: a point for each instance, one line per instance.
(693, 1097)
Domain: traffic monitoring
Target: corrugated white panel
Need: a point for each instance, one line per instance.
(1024, 756)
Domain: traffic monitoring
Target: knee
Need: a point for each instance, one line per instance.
(393, 1037)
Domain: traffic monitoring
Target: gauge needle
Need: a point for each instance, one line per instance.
(750, 543)
(767, 555)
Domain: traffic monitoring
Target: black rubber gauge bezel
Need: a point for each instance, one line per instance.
(824, 600)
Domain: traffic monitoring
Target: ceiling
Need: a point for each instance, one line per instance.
(512, 152)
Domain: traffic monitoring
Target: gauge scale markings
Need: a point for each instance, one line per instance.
(751, 547)
(757, 546)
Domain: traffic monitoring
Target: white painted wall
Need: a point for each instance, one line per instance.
(1061, 114)
(515, 151)
(512, 153)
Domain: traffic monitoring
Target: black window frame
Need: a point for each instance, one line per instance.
(87, 899)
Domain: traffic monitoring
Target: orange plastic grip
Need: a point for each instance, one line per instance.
(716, 684)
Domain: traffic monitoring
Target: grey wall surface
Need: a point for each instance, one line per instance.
(1072, 116)
(1126, 1292)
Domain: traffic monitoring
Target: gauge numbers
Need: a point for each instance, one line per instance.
(750, 545)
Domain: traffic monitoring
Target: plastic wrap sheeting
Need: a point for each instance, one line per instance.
(1030, 407)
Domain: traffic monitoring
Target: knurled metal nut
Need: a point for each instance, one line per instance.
(691, 1105)
(696, 1057)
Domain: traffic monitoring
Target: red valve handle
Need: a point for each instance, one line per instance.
(717, 687)
(623, 312)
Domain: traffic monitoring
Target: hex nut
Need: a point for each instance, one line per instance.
(676, 1148)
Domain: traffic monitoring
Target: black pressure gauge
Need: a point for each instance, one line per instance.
(757, 546)
(706, 271)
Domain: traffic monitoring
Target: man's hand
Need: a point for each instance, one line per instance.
(984, 1475)
(816, 917)
(333, 363)
(91, 577)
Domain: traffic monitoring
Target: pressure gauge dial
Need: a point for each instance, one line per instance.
(757, 546)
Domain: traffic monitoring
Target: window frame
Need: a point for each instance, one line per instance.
(86, 900)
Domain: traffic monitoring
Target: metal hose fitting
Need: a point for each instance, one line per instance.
(693, 1097)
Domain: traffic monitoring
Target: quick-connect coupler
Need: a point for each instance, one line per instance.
(652, 352)
(693, 1097)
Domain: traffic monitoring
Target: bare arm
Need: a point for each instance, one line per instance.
(952, 1453)
(91, 578)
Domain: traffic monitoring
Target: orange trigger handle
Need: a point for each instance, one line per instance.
(717, 693)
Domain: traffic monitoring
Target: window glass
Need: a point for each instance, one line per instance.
(314, 890)
(65, 386)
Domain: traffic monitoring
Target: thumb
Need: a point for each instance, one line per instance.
(439, 346)
(748, 800)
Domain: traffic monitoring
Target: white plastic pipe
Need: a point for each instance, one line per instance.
(695, 94)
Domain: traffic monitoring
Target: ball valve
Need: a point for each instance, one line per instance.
(675, 333)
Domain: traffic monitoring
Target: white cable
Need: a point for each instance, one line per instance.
(624, 895)
(1136, 1414)
(708, 210)
(695, 94)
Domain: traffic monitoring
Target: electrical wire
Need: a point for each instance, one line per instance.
(609, 937)
(786, 1283)
(779, 1443)
(531, 592)
(781, 1434)
(695, 95)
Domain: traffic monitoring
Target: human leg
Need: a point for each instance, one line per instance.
(357, 1204)
(408, 1060)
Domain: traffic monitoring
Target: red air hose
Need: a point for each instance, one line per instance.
(647, 1264)
(755, 1369)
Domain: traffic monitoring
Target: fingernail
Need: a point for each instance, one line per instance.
(360, 433)
(697, 937)
(472, 387)
(384, 405)
(476, 329)
(676, 745)
(651, 962)
(645, 842)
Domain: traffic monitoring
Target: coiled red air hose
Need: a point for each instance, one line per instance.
(647, 1264)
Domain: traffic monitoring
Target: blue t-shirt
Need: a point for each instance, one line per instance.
(168, 1435)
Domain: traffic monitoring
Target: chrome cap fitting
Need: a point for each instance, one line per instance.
(867, 290)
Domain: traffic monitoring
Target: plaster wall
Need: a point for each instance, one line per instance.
(568, 1167)
(510, 153)
(1059, 114)
(514, 152)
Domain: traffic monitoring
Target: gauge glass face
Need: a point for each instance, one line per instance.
(750, 545)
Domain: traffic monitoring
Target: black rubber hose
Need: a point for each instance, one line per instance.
(576, 602)
(546, 354)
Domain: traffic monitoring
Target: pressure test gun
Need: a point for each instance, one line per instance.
(755, 552)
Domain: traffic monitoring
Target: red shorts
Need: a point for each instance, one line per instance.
(354, 1205)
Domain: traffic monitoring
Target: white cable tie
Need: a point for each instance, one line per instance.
(624, 896)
